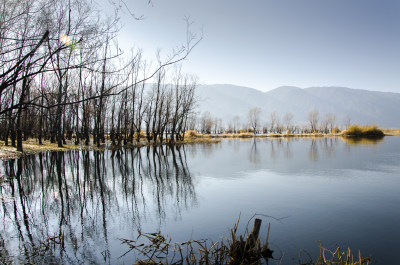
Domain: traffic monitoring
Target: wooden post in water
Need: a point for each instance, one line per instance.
(252, 238)
(249, 251)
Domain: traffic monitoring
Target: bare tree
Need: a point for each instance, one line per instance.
(279, 126)
(254, 118)
(331, 118)
(313, 117)
(206, 122)
(184, 102)
(324, 125)
(347, 121)
(236, 123)
(287, 120)
(273, 121)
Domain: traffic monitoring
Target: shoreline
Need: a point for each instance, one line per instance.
(32, 147)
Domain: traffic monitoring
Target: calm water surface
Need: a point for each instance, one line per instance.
(328, 190)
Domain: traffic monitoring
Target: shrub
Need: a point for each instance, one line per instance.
(191, 133)
(246, 135)
(363, 131)
(141, 135)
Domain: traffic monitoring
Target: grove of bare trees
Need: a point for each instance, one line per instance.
(63, 76)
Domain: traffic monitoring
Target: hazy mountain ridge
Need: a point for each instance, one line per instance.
(363, 106)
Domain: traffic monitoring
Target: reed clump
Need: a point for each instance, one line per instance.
(192, 134)
(192, 137)
(371, 131)
(337, 257)
(235, 250)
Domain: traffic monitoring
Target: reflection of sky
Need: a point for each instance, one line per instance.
(324, 189)
(321, 157)
(347, 196)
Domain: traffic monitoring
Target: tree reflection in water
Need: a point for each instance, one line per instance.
(72, 207)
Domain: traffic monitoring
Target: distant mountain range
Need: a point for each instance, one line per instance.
(362, 106)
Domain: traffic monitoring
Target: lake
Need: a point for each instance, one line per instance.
(311, 190)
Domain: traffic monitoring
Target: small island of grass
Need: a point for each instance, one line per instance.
(366, 131)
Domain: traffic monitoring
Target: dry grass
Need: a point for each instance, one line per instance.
(228, 135)
(199, 140)
(272, 135)
(246, 135)
(192, 137)
(391, 130)
(155, 248)
(235, 250)
(371, 131)
(337, 257)
(142, 135)
(235, 135)
(192, 134)
(31, 146)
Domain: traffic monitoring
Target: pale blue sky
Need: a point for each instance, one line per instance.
(269, 43)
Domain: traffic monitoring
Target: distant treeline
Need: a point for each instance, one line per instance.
(63, 76)
(316, 123)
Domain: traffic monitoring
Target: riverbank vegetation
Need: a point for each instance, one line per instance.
(391, 130)
(258, 125)
(31, 146)
(158, 249)
(363, 131)
(155, 248)
(354, 135)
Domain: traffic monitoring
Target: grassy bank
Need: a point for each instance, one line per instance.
(32, 146)
(397, 131)
(269, 135)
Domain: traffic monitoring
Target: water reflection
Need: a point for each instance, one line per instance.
(361, 141)
(296, 156)
(313, 152)
(69, 207)
(279, 146)
(254, 156)
(287, 149)
(73, 207)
